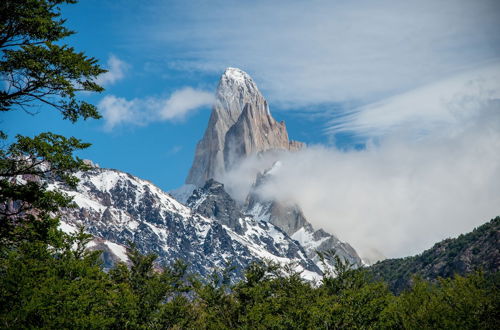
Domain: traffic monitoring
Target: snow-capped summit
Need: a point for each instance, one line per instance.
(240, 125)
(237, 75)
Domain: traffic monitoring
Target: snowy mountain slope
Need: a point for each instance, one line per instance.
(214, 202)
(117, 208)
(291, 220)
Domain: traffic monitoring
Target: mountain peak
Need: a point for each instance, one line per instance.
(237, 75)
(236, 89)
(240, 125)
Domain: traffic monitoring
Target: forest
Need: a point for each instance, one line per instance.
(62, 285)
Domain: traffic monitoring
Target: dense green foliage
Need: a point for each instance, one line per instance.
(35, 68)
(477, 250)
(64, 287)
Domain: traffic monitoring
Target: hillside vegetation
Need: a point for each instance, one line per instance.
(62, 287)
(477, 250)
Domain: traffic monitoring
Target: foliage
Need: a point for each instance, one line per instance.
(36, 68)
(60, 287)
(457, 303)
(67, 288)
(464, 254)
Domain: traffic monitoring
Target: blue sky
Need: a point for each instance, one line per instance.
(416, 82)
(159, 151)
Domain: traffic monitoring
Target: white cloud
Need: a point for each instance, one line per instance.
(116, 71)
(444, 105)
(400, 195)
(307, 52)
(117, 110)
(183, 101)
(120, 111)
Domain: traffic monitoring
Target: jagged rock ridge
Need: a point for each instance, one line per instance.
(117, 208)
(291, 220)
(240, 125)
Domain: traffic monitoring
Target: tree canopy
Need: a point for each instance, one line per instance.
(36, 67)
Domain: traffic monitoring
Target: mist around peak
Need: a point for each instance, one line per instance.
(401, 193)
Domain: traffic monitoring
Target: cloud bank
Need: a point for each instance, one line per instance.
(401, 194)
(141, 111)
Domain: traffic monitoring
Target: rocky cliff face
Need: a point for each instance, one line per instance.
(117, 208)
(291, 220)
(240, 125)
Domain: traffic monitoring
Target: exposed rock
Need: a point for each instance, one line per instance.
(214, 202)
(254, 132)
(90, 163)
(117, 208)
(291, 220)
(240, 125)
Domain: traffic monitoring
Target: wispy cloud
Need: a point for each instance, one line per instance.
(448, 104)
(116, 71)
(306, 52)
(120, 111)
(174, 150)
(183, 101)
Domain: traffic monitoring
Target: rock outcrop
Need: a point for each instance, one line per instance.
(240, 125)
(117, 208)
(292, 221)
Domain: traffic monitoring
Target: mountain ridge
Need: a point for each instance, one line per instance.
(244, 127)
(209, 228)
(476, 250)
(117, 208)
